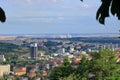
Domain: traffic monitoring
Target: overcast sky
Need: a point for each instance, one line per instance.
(54, 16)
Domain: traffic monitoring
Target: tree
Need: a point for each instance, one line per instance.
(63, 71)
(2, 15)
(71, 77)
(103, 66)
(103, 11)
(107, 6)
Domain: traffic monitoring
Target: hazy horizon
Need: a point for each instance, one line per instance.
(65, 35)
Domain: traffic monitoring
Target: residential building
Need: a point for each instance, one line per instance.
(2, 58)
(4, 69)
(32, 73)
(62, 50)
(33, 50)
(19, 71)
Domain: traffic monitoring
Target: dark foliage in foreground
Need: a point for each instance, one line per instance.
(106, 7)
(2, 15)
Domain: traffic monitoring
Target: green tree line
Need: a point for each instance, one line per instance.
(7, 47)
(103, 66)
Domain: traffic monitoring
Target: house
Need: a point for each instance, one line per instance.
(32, 73)
(89, 58)
(118, 58)
(44, 73)
(4, 69)
(11, 78)
(77, 60)
(2, 58)
(18, 71)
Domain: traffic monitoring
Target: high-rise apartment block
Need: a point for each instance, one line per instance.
(33, 50)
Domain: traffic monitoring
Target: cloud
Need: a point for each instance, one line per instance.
(34, 19)
(37, 19)
(35, 13)
(61, 18)
(33, 1)
(85, 5)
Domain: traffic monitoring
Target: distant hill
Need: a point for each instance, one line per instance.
(7, 38)
(7, 47)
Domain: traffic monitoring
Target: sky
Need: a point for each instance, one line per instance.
(54, 16)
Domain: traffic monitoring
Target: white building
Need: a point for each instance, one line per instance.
(72, 49)
(2, 58)
(4, 69)
(62, 50)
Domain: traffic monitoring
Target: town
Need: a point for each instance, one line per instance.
(24, 58)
